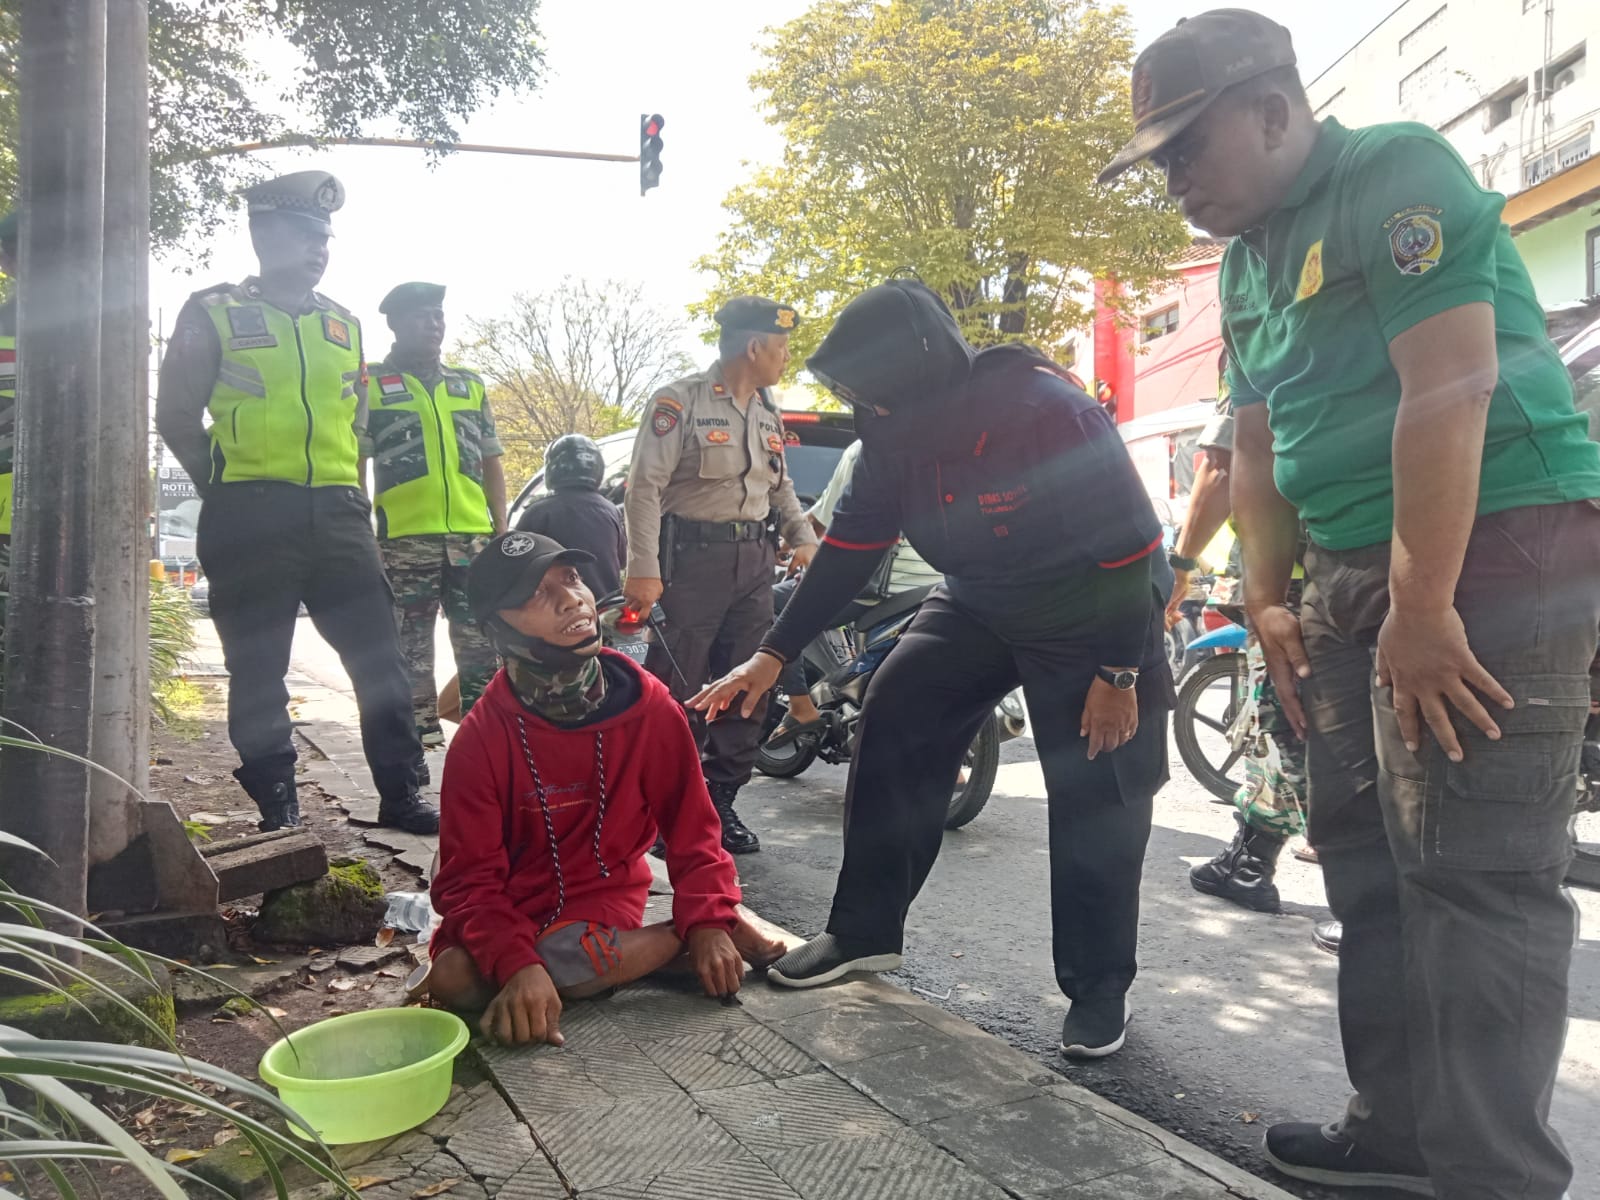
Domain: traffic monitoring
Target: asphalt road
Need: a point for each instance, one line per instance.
(1234, 1024)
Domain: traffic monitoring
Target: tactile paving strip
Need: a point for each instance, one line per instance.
(748, 1179)
(598, 1147)
(729, 1058)
(902, 1167)
(547, 1080)
(769, 1117)
(649, 1013)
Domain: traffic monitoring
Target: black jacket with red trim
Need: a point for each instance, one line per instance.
(1028, 503)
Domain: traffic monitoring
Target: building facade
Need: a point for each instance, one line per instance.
(1511, 84)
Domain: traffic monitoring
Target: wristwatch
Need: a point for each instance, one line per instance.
(1123, 681)
(1179, 563)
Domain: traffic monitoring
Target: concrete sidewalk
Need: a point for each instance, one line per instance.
(854, 1091)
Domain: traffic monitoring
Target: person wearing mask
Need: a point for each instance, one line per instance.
(1394, 389)
(1015, 485)
(285, 518)
(576, 514)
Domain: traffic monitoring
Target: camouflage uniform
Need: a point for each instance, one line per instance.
(427, 572)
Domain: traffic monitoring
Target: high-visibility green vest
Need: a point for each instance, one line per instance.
(284, 403)
(8, 426)
(427, 453)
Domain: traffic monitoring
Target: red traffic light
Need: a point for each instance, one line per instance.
(652, 127)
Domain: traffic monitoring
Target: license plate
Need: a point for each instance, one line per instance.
(638, 651)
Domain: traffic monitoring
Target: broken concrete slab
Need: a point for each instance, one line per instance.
(192, 989)
(366, 958)
(266, 862)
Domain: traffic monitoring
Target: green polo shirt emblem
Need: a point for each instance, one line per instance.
(1416, 240)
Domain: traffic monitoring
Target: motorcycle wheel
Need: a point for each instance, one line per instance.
(982, 762)
(1187, 720)
(786, 761)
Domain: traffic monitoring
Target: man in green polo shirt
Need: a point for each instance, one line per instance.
(1393, 387)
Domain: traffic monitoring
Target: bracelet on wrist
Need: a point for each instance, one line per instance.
(1179, 563)
(773, 653)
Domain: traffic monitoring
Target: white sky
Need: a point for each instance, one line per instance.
(488, 226)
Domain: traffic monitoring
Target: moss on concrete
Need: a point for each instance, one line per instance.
(53, 1017)
(344, 907)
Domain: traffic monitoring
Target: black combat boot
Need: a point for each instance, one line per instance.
(409, 812)
(278, 801)
(737, 837)
(1243, 872)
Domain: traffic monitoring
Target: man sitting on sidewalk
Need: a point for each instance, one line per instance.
(553, 790)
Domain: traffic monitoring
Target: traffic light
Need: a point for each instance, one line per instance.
(650, 151)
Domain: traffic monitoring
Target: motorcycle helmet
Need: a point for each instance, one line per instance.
(574, 461)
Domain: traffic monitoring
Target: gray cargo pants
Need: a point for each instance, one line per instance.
(1457, 936)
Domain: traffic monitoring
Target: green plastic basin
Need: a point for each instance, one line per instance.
(367, 1075)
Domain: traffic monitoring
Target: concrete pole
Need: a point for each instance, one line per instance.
(50, 612)
(121, 735)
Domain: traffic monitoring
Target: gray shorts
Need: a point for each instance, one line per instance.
(577, 952)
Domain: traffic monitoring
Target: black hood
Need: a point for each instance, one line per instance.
(896, 346)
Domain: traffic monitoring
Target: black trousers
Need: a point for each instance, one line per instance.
(1448, 876)
(719, 606)
(266, 548)
(922, 710)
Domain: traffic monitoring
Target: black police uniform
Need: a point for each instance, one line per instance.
(1009, 479)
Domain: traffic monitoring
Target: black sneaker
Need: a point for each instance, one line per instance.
(1327, 935)
(1322, 1154)
(1095, 1028)
(412, 814)
(825, 958)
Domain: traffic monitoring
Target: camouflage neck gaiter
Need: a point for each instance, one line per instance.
(560, 695)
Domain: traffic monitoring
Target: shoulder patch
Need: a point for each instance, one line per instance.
(1416, 239)
(220, 293)
(333, 305)
(665, 416)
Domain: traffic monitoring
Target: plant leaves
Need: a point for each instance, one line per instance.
(179, 1155)
(434, 1189)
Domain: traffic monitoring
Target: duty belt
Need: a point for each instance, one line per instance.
(718, 531)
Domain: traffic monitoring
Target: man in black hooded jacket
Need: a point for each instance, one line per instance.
(1011, 481)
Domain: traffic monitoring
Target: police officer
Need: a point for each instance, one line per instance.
(1010, 480)
(575, 513)
(285, 519)
(707, 468)
(440, 493)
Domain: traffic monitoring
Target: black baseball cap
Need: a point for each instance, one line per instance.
(510, 568)
(1180, 74)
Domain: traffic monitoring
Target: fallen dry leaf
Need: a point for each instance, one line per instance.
(146, 1117)
(1249, 1118)
(179, 1155)
(279, 1013)
(224, 1136)
(208, 818)
(246, 1152)
(385, 936)
(341, 985)
(958, 954)
(362, 1182)
(434, 1189)
(388, 974)
(264, 962)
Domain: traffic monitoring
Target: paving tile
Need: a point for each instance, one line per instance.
(478, 1107)
(494, 1153)
(899, 1167)
(769, 1002)
(738, 1179)
(536, 1181)
(855, 1029)
(598, 1147)
(403, 1179)
(768, 1117)
(729, 1057)
(547, 1079)
(1163, 1179)
(650, 1012)
(926, 1083)
(1041, 1145)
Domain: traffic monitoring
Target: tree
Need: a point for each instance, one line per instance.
(423, 66)
(957, 138)
(581, 358)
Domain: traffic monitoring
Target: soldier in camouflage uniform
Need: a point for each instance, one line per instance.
(441, 494)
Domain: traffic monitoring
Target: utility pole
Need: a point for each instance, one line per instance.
(121, 735)
(50, 612)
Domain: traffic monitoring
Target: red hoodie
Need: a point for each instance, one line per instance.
(497, 883)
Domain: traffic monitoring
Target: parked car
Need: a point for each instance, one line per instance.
(815, 440)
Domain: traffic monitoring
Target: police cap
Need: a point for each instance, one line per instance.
(409, 297)
(756, 314)
(510, 569)
(311, 196)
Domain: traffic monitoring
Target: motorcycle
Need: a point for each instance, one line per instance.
(838, 667)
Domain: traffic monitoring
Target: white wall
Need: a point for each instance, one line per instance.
(1489, 49)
